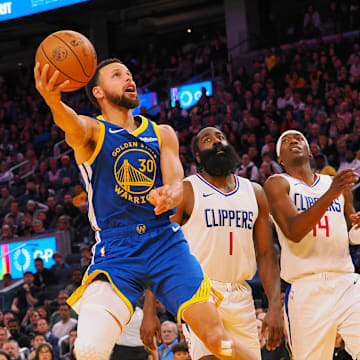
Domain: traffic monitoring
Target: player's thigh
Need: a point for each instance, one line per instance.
(237, 313)
(349, 327)
(310, 323)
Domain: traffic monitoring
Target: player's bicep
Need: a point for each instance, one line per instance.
(171, 168)
(281, 206)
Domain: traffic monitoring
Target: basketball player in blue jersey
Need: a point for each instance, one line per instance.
(133, 179)
(225, 219)
(313, 214)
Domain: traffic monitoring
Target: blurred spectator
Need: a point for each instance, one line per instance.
(15, 212)
(6, 234)
(55, 315)
(11, 347)
(180, 351)
(69, 208)
(27, 296)
(15, 334)
(85, 256)
(312, 24)
(29, 322)
(66, 322)
(35, 343)
(350, 162)
(26, 226)
(51, 213)
(68, 169)
(59, 262)
(321, 167)
(7, 280)
(3, 336)
(38, 227)
(5, 201)
(45, 352)
(43, 277)
(169, 333)
(80, 194)
(76, 281)
(43, 328)
(66, 347)
(53, 175)
(248, 169)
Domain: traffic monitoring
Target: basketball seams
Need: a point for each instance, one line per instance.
(54, 65)
(73, 52)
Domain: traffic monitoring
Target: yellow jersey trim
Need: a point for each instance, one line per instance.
(78, 293)
(142, 127)
(157, 132)
(202, 294)
(99, 143)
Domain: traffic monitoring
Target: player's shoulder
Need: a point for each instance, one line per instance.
(276, 182)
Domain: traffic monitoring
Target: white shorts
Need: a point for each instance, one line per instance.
(319, 306)
(237, 313)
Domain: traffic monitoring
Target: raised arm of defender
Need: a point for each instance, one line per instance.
(80, 131)
(296, 225)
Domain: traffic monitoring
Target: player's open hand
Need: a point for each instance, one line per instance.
(162, 199)
(150, 326)
(273, 324)
(345, 179)
(47, 88)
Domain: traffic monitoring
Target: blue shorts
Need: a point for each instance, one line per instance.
(158, 259)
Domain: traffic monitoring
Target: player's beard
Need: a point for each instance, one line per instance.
(122, 101)
(219, 164)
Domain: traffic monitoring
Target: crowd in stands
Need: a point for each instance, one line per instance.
(312, 88)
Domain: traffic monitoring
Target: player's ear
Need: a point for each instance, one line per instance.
(97, 92)
(197, 157)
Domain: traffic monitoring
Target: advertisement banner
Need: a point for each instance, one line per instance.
(18, 257)
(18, 8)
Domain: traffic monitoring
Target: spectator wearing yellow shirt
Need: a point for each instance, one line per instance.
(321, 167)
(296, 82)
(80, 195)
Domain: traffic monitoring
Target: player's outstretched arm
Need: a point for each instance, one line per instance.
(269, 270)
(296, 225)
(170, 194)
(78, 129)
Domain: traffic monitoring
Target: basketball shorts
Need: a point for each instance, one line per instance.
(135, 259)
(237, 313)
(319, 306)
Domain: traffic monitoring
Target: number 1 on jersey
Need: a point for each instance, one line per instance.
(231, 243)
(322, 226)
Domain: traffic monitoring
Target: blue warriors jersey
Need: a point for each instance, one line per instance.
(122, 171)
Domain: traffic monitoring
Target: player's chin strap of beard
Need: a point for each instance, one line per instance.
(278, 143)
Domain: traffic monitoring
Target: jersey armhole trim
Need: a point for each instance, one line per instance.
(157, 132)
(99, 143)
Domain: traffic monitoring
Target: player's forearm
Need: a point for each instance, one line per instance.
(149, 302)
(269, 273)
(304, 222)
(66, 118)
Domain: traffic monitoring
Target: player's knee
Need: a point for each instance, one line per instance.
(87, 350)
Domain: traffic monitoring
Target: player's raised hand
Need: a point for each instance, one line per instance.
(46, 87)
(355, 220)
(162, 199)
(345, 179)
(273, 324)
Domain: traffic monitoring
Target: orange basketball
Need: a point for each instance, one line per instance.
(72, 54)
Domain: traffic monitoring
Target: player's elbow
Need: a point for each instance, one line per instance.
(293, 235)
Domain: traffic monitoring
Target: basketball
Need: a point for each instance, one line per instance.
(72, 54)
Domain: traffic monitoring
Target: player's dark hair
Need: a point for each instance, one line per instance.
(94, 81)
(195, 146)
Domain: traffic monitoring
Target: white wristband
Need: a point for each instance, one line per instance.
(354, 236)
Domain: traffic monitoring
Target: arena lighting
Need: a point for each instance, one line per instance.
(18, 257)
(189, 95)
(148, 100)
(12, 9)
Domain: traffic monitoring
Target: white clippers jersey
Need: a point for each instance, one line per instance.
(220, 228)
(323, 249)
